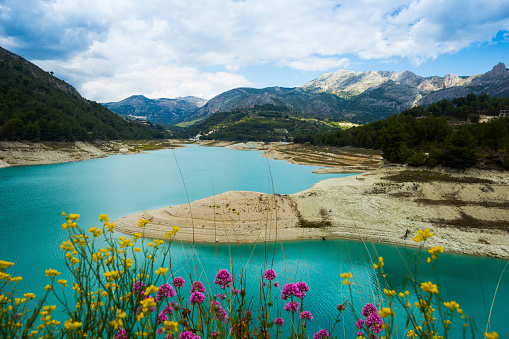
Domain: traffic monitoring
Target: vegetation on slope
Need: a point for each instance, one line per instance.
(446, 133)
(35, 106)
(260, 123)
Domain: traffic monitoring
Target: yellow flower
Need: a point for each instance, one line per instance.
(429, 287)
(435, 250)
(491, 335)
(72, 325)
(380, 263)
(452, 305)
(62, 282)
(142, 223)
(128, 262)
(74, 216)
(109, 226)
(104, 217)
(51, 273)
(95, 231)
(29, 296)
(111, 275)
(171, 326)
(150, 289)
(423, 235)
(346, 276)
(388, 293)
(411, 334)
(385, 312)
(125, 242)
(137, 235)
(5, 264)
(161, 271)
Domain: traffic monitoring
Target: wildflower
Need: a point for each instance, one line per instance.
(346, 276)
(303, 288)
(178, 282)
(142, 223)
(171, 326)
(429, 287)
(306, 315)
(138, 287)
(491, 335)
(103, 217)
(188, 335)
(276, 284)
(380, 263)
(221, 297)
(452, 305)
(197, 298)
(435, 250)
(29, 295)
(223, 279)
(62, 282)
(235, 291)
(322, 334)
(72, 325)
(270, 274)
(198, 287)
(385, 312)
(341, 307)
(51, 273)
(109, 226)
(95, 231)
(121, 334)
(74, 216)
(279, 321)
(150, 289)
(220, 313)
(292, 306)
(214, 334)
(162, 317)
(165, 290)
(423, 235)
(411, 334)
(161, 271)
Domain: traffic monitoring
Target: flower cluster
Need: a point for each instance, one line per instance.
(322, 334)
(223, 279)
(299, 290)
(373, 322)
(270, 275)
(423, 235)
(219, 313)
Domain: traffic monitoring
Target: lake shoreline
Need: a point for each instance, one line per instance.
(27, 153)
(363, 207)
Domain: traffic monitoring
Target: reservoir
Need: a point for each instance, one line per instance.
(33, 198)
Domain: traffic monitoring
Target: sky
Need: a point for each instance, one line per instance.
(112, 49)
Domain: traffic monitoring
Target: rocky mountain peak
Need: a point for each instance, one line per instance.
(498, 70)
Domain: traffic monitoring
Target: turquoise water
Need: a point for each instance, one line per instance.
(33, 198)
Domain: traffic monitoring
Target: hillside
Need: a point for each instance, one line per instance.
(161, 111)
(35, 105)
(446, 133)
(260, 123)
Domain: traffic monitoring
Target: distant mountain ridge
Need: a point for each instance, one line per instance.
(161, 111)
(343, 95)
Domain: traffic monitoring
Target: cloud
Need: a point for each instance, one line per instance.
(93, 43)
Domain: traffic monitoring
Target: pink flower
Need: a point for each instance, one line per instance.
(178, 282)
(292, 306)
(306, 315)
(223, 279)
(198, 287)
(197, 298)
(322, 334)
(270, 274)
(279, 321)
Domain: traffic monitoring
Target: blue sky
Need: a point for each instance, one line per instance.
(111, 49)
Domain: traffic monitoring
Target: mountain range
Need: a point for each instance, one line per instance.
(343, 95)
(160, 111)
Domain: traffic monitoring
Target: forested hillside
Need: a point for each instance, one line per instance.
(34, 105)
(260, 123)
(446, 133)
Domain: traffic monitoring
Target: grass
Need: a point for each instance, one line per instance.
(431, 176)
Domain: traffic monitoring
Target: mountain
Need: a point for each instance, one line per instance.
(363, 96)
(161, 111)
(321, 105)
(35, 105)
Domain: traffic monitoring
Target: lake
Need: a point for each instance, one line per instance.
(34, 197)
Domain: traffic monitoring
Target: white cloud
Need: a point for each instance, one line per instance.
(113, 42)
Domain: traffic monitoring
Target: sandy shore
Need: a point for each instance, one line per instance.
(362, 207)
